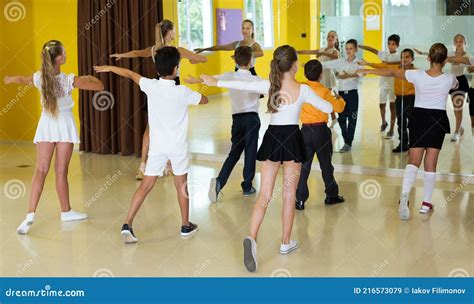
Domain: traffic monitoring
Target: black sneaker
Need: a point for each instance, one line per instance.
(189, 229)
(128, 236)
(400, 149)
(214, 189)
(250, 192)
(299, 205)
(334, 200)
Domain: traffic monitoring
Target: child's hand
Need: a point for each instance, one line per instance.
(103, 68)
(361, 72)
(418, 51)
(197, 51)
(116, 56)
(362, 62)
(7, 80)
(192, 61)
(209, 80)
(343, 75)
(192, 80)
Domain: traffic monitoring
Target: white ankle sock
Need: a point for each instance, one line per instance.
(429, 182)
(26, 224)
(409, 177)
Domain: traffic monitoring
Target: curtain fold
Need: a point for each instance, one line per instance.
(113, 121)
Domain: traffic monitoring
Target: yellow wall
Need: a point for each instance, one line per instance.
(373, 38)
(48, 19)
(20, 49)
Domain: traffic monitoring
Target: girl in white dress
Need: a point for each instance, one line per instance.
(56, 131)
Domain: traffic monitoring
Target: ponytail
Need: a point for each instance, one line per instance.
(161, 30)
(274, 98)
(51, 50)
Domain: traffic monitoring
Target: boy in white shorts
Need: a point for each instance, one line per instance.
(386, 83)
(168, 118)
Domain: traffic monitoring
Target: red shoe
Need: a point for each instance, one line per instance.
(426, 207)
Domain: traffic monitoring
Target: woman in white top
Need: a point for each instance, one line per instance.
(328, 53)
(164, 36)
(458, 95)
(282, 143)
(249, 40)
(428, 123)
(56, 131)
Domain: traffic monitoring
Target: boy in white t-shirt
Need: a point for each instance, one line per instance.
(387, 83)
(168, 118)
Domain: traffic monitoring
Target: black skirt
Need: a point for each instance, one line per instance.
(463, 86)
(428, 128)
(283, 143)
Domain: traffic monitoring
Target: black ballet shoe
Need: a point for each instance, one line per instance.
(334, 200)
(299, 205)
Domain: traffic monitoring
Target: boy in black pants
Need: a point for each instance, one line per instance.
(317, 138)
(245, 126)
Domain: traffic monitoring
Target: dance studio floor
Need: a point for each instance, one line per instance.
(210, 124)
(362, 237)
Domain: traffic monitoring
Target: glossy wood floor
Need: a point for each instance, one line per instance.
(362, 237)
(210, 125)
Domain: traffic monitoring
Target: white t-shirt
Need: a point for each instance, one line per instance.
(342, 65)
(431, 92)
(168, 115)
(242, 101)
(287, 114)
(63, 90)
(458, 69)
(388, 82)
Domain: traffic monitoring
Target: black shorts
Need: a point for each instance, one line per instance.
(463, 87)
(427, 128)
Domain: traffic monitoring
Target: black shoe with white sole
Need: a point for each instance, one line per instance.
(189, 229)
(128, 236)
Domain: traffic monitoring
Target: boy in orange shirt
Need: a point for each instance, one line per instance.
(405, 96)
(318, 138)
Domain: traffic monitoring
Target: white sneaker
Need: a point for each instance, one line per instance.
(73, 216)
(250, 254)
(403, 209)
(426, 208)
(287, 248)
(455, 137)
(26, 224)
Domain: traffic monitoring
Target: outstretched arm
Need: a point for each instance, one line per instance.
(257, 86)
(369, 49)
(18, 79)
(119, 71)
(397, 73)
(193, 57)
(420, 52)
(88, 82)
(224, 47)
(133, 54)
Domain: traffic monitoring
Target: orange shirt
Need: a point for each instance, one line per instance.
(401, 87)
(310, 114)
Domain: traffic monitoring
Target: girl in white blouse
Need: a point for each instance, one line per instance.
(282, 143)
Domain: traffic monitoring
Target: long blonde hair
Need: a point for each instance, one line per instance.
(283, 59)
(161, 30)
(51, 50)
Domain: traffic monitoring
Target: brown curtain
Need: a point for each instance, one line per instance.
(113, 121)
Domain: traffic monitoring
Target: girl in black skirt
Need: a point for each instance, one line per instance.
(164, 36)
(428, 123)
(282, 144)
